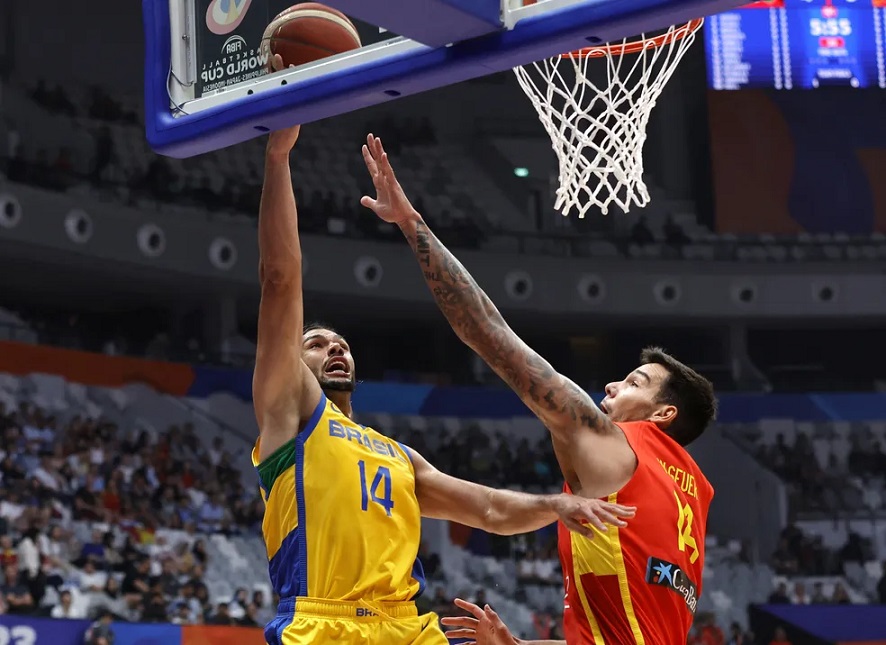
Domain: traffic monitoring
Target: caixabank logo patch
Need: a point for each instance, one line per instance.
(667, 574)
(224, 16)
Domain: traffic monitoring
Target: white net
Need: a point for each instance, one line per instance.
(598, 125)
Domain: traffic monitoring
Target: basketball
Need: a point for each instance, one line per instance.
(310, 31)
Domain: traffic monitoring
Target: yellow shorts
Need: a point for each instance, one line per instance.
(305, 621)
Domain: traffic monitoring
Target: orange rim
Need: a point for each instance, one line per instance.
(637, 46)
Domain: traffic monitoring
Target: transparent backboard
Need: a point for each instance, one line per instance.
(206, 84)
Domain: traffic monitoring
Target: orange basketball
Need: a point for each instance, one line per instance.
(310, 31)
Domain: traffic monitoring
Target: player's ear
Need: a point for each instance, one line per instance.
(665, 414)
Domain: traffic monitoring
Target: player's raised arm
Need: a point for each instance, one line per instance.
(556, 400)
(284, 391)
(508, 512)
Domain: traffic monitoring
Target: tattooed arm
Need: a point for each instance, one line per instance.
(557, 401)
(566, 410)
(560, 404)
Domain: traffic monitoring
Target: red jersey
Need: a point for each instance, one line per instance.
(640, 585)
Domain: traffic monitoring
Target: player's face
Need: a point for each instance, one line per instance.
(328, 356)
(635, 398)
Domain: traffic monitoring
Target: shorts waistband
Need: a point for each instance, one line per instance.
(363, 610)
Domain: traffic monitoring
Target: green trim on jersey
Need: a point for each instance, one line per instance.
(275, 465)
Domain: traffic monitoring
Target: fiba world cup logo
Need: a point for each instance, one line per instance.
(224, 16)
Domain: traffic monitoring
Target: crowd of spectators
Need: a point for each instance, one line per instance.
(320, 211)
(128, 485)
(798, 594)
(496, 460)
(814, 489)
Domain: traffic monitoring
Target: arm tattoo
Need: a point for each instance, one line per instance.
(556, 400)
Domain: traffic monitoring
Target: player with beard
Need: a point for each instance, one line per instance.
(637, 586)
(343, 503)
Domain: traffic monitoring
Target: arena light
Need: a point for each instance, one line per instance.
(520, 171)
(518, 285)
(591, 288)
(825, 292)
(368, 271)
(151, 240)
(667, 293)
(78, 226)
(222, 253)
(10, 211)
(744, 294)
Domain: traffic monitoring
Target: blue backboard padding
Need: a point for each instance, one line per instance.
(835, 623)
(307, 100)
(431, 22)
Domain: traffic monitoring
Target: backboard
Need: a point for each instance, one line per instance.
(206, 85)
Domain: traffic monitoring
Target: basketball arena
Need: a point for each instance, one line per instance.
(491, 209)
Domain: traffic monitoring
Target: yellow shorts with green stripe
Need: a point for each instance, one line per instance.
(306, 621)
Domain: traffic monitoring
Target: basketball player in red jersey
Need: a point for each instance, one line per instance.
(638, 585)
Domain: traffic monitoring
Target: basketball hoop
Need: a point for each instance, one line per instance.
(598, 130)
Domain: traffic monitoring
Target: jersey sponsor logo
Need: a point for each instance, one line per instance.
(379, 447)
(667, 574)
(363, 612)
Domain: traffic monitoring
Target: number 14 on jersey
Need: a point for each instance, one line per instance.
(382, 479)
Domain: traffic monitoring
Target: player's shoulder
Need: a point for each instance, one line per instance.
(637, 426)
(638, 433)
(647, 438)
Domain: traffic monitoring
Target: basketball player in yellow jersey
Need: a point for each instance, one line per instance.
(343, 504)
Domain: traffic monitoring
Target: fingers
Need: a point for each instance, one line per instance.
(379, 148)
(465, 622)
(609, 518)
(461, 633)
(623, 511)
(372, 143)
(368, 202)
(277, 64)
(385, 166)
(575, 527)
(596, 522)
(469, 607)
(611, 512)
(378, 165)
(493, 616)
(375, 146)
(370, 162)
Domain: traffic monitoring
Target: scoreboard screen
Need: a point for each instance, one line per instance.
(787, 44)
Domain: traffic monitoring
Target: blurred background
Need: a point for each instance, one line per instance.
(129, 295)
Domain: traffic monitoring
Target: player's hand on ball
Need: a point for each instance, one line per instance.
(579, 512)
(485, 628)
(390, 203)
(281, 142)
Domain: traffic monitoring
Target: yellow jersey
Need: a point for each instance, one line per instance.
(342, 521)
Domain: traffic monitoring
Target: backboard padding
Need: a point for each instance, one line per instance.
(385, 71)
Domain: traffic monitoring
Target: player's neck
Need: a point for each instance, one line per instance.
(342, 401)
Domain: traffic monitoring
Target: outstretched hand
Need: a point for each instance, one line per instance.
(485, 628)
(579, 512)
(281, 142)
(390, 203)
